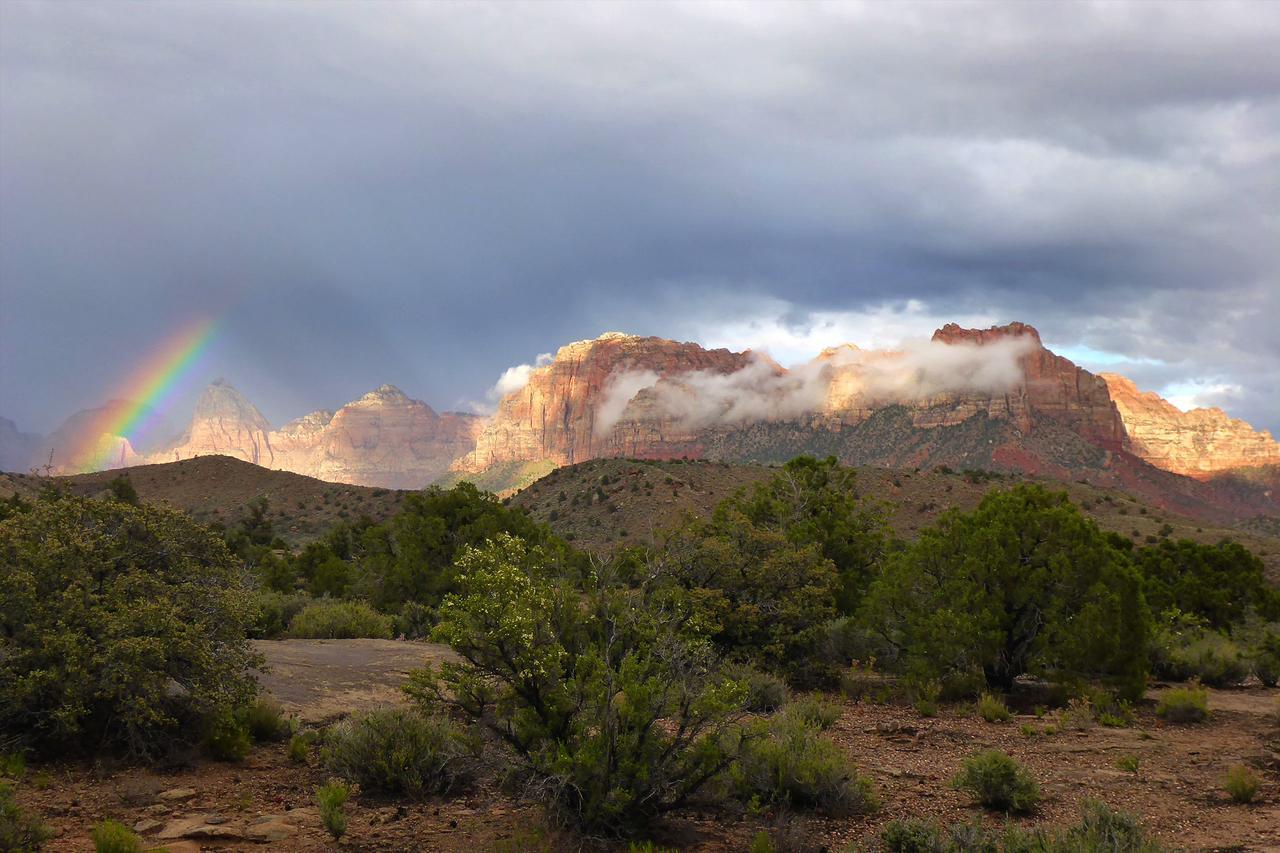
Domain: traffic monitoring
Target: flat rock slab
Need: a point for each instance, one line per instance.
(203, 826)
(319, 680)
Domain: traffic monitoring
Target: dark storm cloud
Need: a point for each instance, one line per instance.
(427, 194)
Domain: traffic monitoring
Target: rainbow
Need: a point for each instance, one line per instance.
(149, 391)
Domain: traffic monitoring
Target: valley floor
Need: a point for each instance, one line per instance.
(267, 801)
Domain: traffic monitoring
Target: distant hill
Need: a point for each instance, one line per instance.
(602, 504)
(217, 488)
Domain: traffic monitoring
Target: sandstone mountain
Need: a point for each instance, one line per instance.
(1198, 443)
(967, 398)
(383, 439)
(621, 395)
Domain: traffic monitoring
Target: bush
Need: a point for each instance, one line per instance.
(1128, 763)
(227, 736)
(1078, 715)
(331, 798)
(1242, 784)
(786, 761)
(1184, 705)
(998, 782)
(299, 748)
(960, 596)
(333, 620)
(415, 621)
(112, 837)
(766, 692)
(924, 696)
(1100, 829)
(1206, 656)
(20, 832)
(992, 709)
(273, 611)
(398, 751)
(613, 712)
(265, 720)
(815, 711)
(125, 628)
(1214, 582)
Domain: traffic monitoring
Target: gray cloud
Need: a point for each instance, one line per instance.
(427, 194)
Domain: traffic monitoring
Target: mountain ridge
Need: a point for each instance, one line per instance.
(992, 398)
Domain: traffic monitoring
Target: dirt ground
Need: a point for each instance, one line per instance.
(265, 800)
(319, 680)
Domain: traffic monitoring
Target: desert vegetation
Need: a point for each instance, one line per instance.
(709, 670)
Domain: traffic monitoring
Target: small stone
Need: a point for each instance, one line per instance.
(158, 808)
(177, 795)
(147, 826)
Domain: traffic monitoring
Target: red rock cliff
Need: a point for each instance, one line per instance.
(1198, 443)
(556, 415)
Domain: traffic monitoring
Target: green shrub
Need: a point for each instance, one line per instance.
(1207, 657)
(913, 835)
(299, 748)
(125, 627)
(112, 837)
(992, 709)
(1112, 711)
(1100, 829)
(1242, 784)
(613, 712)
(766, 692)
(1128, 763)
(227, 736)
(415, 621)
(1078, 715)
(761, 843)
(13, 765)
(265, 719)
(815, 711)
(399, 751)
(273, 611)
(331, 798)
(956, 600)
(20, 832)
(1184, 705)
(332, 620)
(1213, 582)
(924, 695)
(998, 782)
(786, 761)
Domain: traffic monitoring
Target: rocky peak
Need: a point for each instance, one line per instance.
(1198, 443)
(222, 402)
(554, 417)
(953, 333)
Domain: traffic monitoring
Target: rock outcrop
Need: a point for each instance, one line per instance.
(1198, 443)
(227, 424)
(84, 442)
(568, 408)
(620, 395)
(387, 439)
(383, 439)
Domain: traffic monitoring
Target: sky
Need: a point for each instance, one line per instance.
(431, 194)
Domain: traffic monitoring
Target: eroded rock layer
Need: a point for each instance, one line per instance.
(1198, 443)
